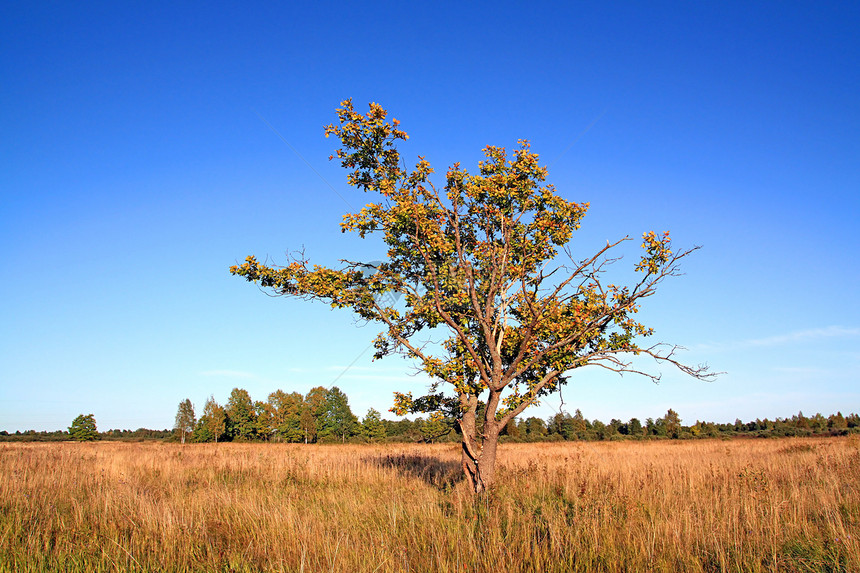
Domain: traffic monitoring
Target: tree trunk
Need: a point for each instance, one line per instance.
(478, 459)
(487, 463)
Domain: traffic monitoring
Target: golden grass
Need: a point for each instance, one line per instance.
(763, 505)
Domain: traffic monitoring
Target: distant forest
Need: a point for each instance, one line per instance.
(323, 415)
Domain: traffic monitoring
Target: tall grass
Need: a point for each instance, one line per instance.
(765, 505)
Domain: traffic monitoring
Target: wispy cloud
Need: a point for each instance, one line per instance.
(805, 336)
(371, 369)
(795, 337)
(799, 370)
(229, 374)
(340, 367)
(403, 378)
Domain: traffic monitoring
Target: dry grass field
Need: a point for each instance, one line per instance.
(746, 505)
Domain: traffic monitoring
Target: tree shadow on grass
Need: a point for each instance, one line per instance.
(442, 475)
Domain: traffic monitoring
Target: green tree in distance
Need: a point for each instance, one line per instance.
(535, 428)
(672, 423)
(563, 425)
(241, 415)
(837, 421)
(475, 266)
(435, 427)
(212, 426)
(185, 419)
(264, 418)
(83, 428)
(337, 421)
(285, 415)
(372, 426)
(312, 413)
(512, 429)
(579, 425)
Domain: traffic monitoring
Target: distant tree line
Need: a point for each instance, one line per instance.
(139, 435)
(564, 426)
(324, 416)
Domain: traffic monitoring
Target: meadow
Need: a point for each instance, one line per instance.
(705, 505)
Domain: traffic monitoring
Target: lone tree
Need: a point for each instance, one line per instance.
(185, 419)
(476, 268)
(83, 428)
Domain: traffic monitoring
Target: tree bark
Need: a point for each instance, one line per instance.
(487, 464)
(478, 458)
(470, 468)
(480, 469)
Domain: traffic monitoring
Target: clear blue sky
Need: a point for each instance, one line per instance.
(135, 169)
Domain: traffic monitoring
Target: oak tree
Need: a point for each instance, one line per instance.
(481, 266)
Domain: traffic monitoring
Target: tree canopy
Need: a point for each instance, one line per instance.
(83, 428)
(482, 267)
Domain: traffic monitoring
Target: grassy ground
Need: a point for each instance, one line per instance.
(746, 505)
